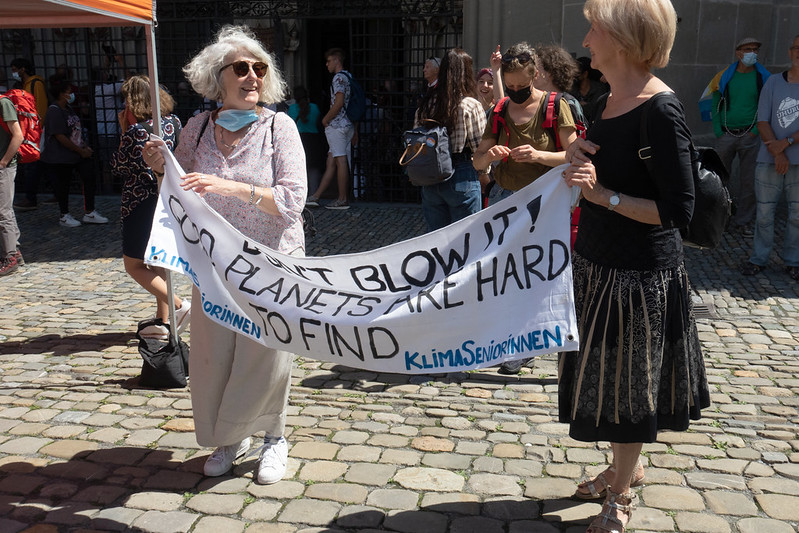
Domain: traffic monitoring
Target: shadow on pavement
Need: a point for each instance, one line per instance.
(138, 489)
(57, 345)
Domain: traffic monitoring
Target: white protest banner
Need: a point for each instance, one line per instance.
(493, 287)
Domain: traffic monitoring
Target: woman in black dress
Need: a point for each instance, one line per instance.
(639, 368)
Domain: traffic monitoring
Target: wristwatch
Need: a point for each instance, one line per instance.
(790, 140)
(614, 201)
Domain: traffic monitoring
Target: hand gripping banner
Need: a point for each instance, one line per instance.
(493, 287)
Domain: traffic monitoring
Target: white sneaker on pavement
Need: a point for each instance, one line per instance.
(94, 218)
(183, 315)
(222, 459)
(68, 221)
(273, 461)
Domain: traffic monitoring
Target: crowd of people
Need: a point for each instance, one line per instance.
(639, 368)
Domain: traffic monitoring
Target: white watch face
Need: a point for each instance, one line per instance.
(614, 200)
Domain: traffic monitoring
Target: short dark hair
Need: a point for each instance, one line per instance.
(21, 62)
(59, 85)
(560, 65)
(338, 52)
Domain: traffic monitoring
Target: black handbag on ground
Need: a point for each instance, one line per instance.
(712, 201)
(165, 364)
(426, 158)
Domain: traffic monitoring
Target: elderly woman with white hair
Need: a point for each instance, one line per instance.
(248, 163)
(639, 368)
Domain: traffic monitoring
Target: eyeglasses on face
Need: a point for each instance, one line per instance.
(522, 58)
(750, 49)
(242, 68)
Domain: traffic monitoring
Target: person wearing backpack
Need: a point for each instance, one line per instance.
(557, 70)
(451, 104)
(22, 70)
(10, 141)
(339, 130)
(516, 136)
(639, 368)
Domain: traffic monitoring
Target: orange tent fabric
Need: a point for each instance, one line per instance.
(75, 13)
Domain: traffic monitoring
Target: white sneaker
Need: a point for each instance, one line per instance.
(94, 218)
(183, 315)
(273, 461)
(222, 459)
(68, 221)
(155, 331)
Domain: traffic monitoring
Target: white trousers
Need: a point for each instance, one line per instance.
(238, 386)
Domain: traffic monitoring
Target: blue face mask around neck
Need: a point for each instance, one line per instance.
(235, 119)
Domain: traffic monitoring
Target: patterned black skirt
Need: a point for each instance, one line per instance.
(640, 367)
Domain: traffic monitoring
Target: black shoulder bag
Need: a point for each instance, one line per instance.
(712, 201)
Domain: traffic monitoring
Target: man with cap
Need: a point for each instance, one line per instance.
(735, 95)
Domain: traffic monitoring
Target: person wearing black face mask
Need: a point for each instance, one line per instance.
(522, 150)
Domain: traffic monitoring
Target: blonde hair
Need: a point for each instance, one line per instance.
(136, 93)
(644, 28)
(203, 71)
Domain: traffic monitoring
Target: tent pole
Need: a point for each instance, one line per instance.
(155, 100)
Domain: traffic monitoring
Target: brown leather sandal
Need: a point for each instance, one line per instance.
(597, 493)
(617, 507)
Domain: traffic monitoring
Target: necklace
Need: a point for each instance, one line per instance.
(226, 145)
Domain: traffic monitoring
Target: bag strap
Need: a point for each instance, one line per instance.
(551, 113)
(34, 94)
(414, 156)
(498, 117)
(202, 130)
(645, 147)
(645, 150)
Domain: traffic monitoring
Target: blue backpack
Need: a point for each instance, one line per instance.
(356, 107)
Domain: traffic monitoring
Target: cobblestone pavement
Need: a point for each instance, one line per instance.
(82, 448)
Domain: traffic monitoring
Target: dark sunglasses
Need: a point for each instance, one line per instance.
(242, 68)
(522, 58)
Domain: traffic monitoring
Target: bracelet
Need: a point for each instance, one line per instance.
(260, 197)
(157, 174)
(252, 192)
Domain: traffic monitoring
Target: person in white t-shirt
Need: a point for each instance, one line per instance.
(778, 167)
(339, 132)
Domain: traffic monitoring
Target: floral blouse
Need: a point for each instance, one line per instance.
(138, 182)
(269, 155)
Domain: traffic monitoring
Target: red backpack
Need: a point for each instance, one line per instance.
(550, 115)
(29, 122)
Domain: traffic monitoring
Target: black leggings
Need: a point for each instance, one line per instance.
(61, 176)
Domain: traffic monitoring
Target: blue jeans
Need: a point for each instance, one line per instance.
(498, 194)
(768, 189)
(454, 199)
